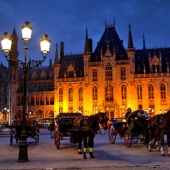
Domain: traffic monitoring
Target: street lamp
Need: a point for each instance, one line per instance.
(6, 42)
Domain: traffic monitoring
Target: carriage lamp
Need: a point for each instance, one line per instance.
(24, 65)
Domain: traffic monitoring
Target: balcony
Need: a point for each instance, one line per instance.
(73, 79)
(151, 75)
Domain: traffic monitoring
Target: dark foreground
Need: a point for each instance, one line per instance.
(45, 156)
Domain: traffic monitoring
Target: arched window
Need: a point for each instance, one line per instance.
(108, 70)
(163, 91)
(60, 95)
(51, 100)
(32, 100)
(47, 100)
(123, 92)
(80, 94)
(109, 92)
(37, 100)
(151, 92)
(139, 92)
(70, 95)
(95, 93)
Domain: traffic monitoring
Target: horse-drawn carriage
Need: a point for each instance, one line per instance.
(131, 130)
(78, 128)
(31, 127)
(64, 127)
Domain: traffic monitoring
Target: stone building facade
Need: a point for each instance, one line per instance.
(109, 78)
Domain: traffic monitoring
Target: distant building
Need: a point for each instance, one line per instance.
(3, 93)
(111, 78)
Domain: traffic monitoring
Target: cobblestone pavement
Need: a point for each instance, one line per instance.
(45, 156)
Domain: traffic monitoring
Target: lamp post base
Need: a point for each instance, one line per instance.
(23, 154)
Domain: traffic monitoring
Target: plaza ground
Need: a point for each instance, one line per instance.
(45, 156)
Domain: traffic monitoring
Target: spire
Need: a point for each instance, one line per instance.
(144, 46)
(56, 55)
(130, 40)
(86, 47)
(14, 33)
(14, 47)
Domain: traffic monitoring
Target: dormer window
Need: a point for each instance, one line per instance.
(34, 75)
(43, 75)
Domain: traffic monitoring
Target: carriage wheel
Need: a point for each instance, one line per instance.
(127, 138)
(57, 139)
(112, 134)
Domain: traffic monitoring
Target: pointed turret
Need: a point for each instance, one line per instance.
(144, 46)
(131, 53)
(130, 40)
(86, 47)
(56, 55)
(14, 48)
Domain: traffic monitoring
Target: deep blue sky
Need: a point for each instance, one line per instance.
(67, 20)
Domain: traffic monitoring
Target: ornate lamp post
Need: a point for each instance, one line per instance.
(6, 42)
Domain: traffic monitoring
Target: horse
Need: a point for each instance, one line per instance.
(85, 129)
(160, 126)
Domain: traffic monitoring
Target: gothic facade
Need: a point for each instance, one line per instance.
(109, 78)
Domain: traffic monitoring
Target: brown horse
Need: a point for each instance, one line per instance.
(158, 127)
(85, 129)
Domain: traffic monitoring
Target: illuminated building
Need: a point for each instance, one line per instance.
(111, 78)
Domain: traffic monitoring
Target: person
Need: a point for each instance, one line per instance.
(138, 113)
(51, 127)
(128, 111)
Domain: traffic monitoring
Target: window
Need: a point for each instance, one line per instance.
(123, 73)
(95, 107)
(151, 92)
(70, 108)
(47, 100)
(109, 93)
(32, 100)
(70, 95)
(95, 93)
(94, 78)
(60, 95)
(81, 107)
(123, 91)
(163, 94)
(60, 107)
(108, 70)
(42, 100)
(37, 100)
(139, 92)
(70, 74)
(80, 94)
(51, 100)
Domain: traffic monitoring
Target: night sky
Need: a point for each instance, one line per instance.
(67, 20)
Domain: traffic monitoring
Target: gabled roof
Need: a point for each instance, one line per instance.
(110, 40)
(146, 56)
(76, 60)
